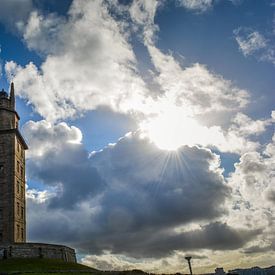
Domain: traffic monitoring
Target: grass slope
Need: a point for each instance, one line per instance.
(54, 267)
(42, 266)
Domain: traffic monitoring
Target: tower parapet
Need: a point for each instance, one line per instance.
(8, 116)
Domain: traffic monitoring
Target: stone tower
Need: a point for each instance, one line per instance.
(12, 173)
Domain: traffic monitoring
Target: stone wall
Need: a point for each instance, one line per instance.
(37, 250)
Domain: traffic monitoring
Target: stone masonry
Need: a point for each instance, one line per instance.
(12, 191)
(12, 173)
(37, 250)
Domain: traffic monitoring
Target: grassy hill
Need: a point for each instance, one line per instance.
(54, 267)
(43, 266)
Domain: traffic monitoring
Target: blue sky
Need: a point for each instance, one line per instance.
(150, 127)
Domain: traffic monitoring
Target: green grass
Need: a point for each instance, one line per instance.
(42, 265)
(54, 267)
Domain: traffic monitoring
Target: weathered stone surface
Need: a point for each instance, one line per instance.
(37, 250)
(12, 173)
(12, 192)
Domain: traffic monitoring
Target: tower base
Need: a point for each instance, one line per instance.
(37, 250)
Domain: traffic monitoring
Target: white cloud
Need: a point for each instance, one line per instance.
(43, 33)
(83, 72)
(253, 197)
(39, 197)
(92, 64)
(190, 94)
(249, 41)
(196, 87)
(246, 126)
(252, 42)
(198, 5)
(43, 136)
(143, 12)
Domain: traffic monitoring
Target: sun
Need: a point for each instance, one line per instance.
(172, 129)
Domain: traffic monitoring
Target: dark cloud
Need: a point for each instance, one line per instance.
(135, 195)
(14, 11)
(69, 167)
(158, 243)
(257, 249)
(271, 195)
(150, 188)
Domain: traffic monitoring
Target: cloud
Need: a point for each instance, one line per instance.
(121, 262)
(257, 249)
(133, 198)
(43, 136)
(58, 159)
(214, 236)
(195, 86)
(197, 5)
(253, 182)
(252, 202)
(247, 126)
(13, 12)
(249, 41)
(254, 175)
(83, 71)
(252, 42)
(195, 101)
(42, 33)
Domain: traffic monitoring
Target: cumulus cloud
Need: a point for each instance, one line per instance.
(82, 72)
(247, 126)
(43, 136)
(58, 159)
(196, 102)
(95, 67)
(254, 176)
(195, 87)
(196, 94)
(42, 33)
(252, 183)
(132, 197)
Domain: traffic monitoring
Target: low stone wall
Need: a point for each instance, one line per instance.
(37, 250)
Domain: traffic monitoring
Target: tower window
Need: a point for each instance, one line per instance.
(18, 207)
(1, 149)
(18, 231)
(22, 191)
(1, 168)
(22, 212)
(18, 187)
(22, 234)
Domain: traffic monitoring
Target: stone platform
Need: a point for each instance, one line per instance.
(37, 250)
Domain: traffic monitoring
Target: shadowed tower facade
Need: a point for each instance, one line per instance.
(12, 173)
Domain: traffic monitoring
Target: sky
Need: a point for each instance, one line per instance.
(150, 127)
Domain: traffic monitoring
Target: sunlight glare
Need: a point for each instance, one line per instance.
(174, 128)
